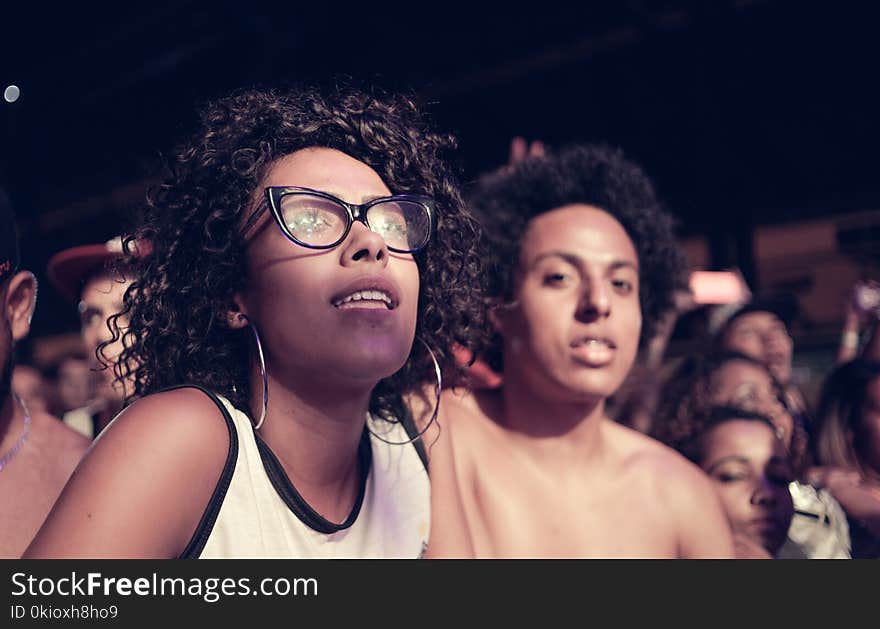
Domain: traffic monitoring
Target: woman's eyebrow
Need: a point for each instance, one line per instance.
(364, 198)
(733, 457)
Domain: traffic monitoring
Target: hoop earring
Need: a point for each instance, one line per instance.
(438, 388)
(263, 375)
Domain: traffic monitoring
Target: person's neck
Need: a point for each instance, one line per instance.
(314, 431)
(551, 425)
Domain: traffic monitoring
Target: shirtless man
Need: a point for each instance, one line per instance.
(37, 452)
(582, 254)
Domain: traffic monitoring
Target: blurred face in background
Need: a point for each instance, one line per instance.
(750, 386)
(101, 297)
(764, 337)
(749, 467)
(76, 384)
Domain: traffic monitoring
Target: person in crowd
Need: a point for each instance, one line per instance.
(742, 453)
(582, 263)
(759, 326)
(847, 449)
(37, 452)
(95, 278)
(819, 528)
(74, 382)
(312, 268)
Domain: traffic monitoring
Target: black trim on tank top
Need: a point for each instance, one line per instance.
(297, 504)
(200, 537)
(412, 431)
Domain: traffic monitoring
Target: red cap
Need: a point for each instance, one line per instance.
(69, 269)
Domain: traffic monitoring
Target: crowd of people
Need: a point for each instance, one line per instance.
(315, 342)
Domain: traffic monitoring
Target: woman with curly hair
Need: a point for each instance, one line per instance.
(583, 262)
(742, 453)
(847, 449)
(301, 243)
(819, 528)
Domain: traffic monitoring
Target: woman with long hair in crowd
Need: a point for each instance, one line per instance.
(742, 453)
(847, 448)
(819, 527)
(311, 266)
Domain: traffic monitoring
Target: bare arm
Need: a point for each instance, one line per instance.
(860, 500)
(141, 489)
(856, 319)
(450, 535)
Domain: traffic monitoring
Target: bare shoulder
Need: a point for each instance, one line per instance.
(162, 456)
(459, 410)
(684, 492)
(184, 414)
(182, 428)
(667, 471)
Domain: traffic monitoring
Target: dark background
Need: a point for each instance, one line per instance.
(744, 112)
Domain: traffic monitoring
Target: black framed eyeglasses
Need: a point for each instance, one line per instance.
(318, 220)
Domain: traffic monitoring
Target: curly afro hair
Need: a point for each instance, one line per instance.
(600, 176)
(686, 404)
(183, 290)
(691, 443)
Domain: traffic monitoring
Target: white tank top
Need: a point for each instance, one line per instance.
(256, 512)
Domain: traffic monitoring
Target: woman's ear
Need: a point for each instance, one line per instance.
(20, 302)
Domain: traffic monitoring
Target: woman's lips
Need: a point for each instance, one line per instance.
(367, 299)
(769, 526)
(367, 293)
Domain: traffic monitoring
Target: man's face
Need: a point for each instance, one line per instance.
(573, 331)
(763, 336)
(101, 297)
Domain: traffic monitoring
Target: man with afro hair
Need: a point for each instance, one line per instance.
(582, 265)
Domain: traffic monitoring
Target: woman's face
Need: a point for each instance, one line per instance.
(763, 336)
(748, 465)
(102, 297)
(300, 299)
(750, 387)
